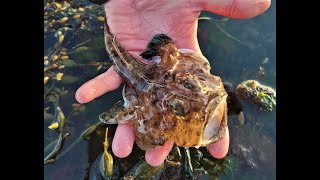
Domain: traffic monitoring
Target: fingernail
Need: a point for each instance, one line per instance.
(184, 50)
(220, 149)
(156, 59)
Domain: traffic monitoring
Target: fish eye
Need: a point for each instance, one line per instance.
(179, 107)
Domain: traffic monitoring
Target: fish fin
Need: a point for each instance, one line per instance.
(154, 46)
(109, 117)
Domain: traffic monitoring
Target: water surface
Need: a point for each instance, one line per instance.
(237, 50)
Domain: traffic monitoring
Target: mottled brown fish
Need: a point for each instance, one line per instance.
(175, 98)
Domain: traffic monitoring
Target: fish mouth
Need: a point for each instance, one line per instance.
(217, 123)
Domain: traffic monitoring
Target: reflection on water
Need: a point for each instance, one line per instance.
(237, 50)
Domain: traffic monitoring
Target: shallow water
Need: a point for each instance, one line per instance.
(237, 50)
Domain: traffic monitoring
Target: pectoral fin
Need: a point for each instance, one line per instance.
(109, 117)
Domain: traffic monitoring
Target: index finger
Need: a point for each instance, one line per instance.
(105, 82)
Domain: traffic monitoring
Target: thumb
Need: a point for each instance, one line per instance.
(240, 9)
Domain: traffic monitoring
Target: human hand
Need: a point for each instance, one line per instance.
(134, 23)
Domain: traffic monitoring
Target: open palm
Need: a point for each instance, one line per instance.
(134, 23)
